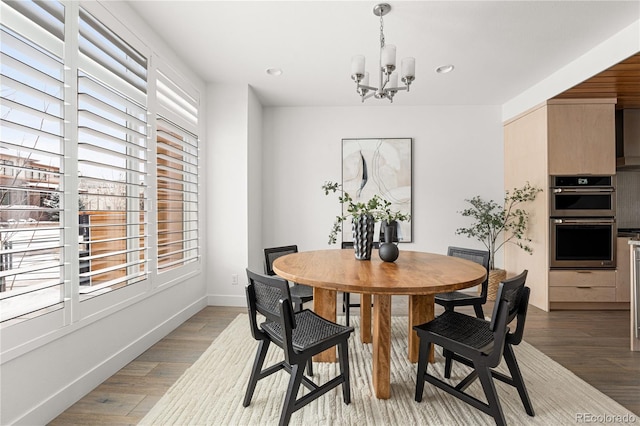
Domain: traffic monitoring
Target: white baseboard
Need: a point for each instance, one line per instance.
(226, 300)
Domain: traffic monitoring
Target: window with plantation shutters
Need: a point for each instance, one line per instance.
(177, 175)
(78, 165)
(112, 159)
(31, 159)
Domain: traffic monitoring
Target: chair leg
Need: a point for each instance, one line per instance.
(343, 356)
(423, 364)
(297, 371)
(516, 375)
(310, 367)
(347, 303)
(448, 362)
(478, 308)
(484, 373)
(261, 353)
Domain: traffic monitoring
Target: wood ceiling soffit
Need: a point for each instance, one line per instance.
(621, 81)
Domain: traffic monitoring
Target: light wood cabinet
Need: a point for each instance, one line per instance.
(623, 271)
(582, 278)
(581, 136)
(582, 285)
(559, 137)
(582, 294)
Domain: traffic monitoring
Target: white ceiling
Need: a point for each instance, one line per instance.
(499, 48)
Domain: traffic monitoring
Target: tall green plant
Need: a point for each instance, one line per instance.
(491, 220)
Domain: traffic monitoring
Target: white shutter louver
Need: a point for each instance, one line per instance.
(177, 174)
(112, 157)
(32, 119)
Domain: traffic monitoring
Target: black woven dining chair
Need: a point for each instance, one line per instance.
(300, 293)
(301, 335)
(453, 299)
(481, 345)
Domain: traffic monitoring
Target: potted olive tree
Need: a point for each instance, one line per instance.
(363, 218)
(495, 225)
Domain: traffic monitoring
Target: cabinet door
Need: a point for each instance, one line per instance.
(582, 285)
(581, 137)
(623, 270)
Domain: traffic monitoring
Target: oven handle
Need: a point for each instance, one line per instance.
(585, 221)
(583, 190)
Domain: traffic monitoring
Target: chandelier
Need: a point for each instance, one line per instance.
(388, 79)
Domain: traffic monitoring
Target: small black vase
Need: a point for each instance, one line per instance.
(388, 251)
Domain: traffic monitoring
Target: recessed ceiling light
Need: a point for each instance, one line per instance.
(445, 69)
(274, 71)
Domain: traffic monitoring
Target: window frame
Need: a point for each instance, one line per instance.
(50, 326)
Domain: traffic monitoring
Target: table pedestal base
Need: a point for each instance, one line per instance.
(421, 310)
(382, 345)
(324, 304)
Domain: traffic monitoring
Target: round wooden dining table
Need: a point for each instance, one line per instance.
(416, 274)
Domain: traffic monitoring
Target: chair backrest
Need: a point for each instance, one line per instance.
(479, 256)
(509, 299)
(270, 297)
(272, 253)
(265, 295)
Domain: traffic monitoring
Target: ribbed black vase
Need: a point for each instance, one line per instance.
(362, 228)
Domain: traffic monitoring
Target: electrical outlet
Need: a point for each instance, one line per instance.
(234, 279)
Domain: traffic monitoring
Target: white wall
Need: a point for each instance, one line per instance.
(457, 153)
(226, 183)
(255, 200)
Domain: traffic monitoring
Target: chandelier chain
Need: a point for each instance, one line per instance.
(381, 31)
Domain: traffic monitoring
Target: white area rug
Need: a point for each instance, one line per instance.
(210, 392)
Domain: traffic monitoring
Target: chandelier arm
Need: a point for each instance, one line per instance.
(362, 86)
(368, 96)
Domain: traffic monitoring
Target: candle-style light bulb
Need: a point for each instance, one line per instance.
(408, 67)
(357, 65)
(393, 81)
(389, 55)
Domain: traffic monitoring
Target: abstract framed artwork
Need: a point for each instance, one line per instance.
(379, 167)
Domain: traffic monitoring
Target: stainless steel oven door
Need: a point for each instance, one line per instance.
(583, 202)
(588, 243)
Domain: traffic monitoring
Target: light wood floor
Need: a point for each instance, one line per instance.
(594, 345)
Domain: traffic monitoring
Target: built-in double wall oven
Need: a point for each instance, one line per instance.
(583, 224)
